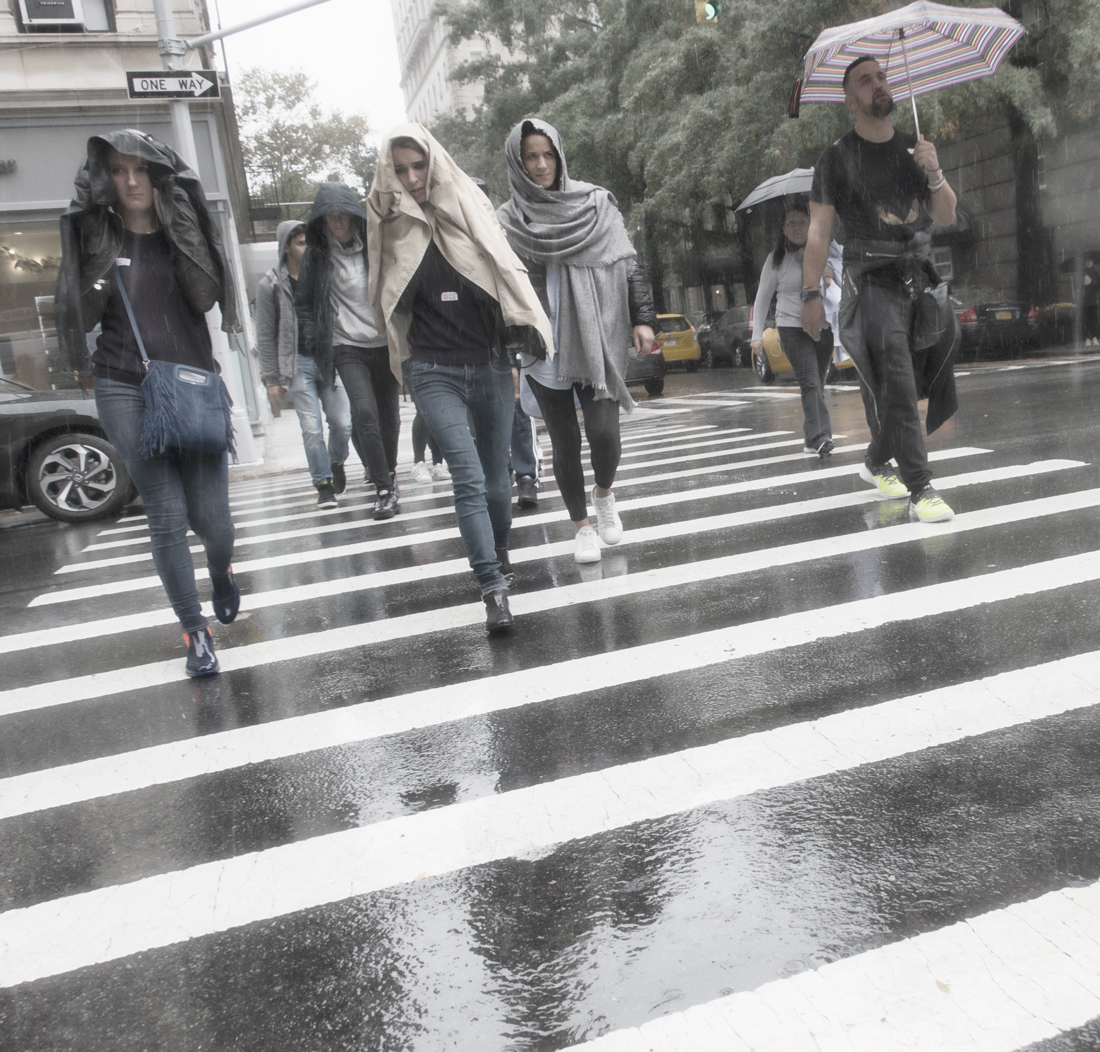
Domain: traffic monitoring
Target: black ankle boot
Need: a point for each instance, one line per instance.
(498, 618)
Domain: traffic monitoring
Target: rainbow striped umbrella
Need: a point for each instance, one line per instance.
(938, 46)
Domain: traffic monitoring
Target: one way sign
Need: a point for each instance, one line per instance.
(173, 84)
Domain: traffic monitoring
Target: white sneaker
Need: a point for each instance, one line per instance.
(607, 519)
(588, 546)
(421, 472)
(440, 472)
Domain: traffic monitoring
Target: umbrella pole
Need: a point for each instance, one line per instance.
(909, 79)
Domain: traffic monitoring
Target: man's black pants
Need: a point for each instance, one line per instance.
(374, 394)
(887, 314)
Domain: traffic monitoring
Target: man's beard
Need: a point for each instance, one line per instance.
(880, 108)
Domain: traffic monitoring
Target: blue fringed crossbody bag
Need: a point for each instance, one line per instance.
(185, 407)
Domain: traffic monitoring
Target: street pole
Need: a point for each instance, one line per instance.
(172, 50)
(208, 38)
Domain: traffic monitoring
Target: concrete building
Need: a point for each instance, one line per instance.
(427, 60)
(59, 84)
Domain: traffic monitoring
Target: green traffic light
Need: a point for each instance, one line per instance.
(713, 10)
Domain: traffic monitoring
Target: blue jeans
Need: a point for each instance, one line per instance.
(524, 461)
(178, 489)
(309, 396)
(810, 362)
(479, 471)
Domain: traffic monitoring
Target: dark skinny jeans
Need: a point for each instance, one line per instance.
(178, 489)
(375, 397)
(810, 362)
(601, 428)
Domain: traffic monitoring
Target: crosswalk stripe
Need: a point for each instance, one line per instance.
(994, 983)
(818, 475)
(69, 633)
(634, 663)
(371, 524)
(405, 499)
(111, 923)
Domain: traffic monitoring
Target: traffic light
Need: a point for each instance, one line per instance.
(707, 11)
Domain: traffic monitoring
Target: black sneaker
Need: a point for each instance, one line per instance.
(326, 494)
(825, 448)
(528, 491)
(201, 659)
(498, 618)
(505, 565)
(385, 507)
(339, 479)
(227, 597)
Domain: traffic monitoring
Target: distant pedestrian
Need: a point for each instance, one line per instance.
(450, 293)
(781, 277)
(343, 337)
(287, 364)
(139, 216)
(572, 238)
(887, 187)
(1091, 298)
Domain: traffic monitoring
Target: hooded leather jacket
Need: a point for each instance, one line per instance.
(91, 237)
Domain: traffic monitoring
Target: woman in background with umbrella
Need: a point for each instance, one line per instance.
(781, 277)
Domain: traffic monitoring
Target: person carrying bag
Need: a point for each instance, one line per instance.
(141, 257)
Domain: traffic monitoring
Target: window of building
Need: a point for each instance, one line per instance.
(30, 255)
(944, 262)
(89, 16)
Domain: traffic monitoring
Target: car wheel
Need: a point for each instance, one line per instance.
(692, 365)
(655, 385)
(763, 369)
(77, 478)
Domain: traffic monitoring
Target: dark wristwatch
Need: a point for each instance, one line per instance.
(810, 294)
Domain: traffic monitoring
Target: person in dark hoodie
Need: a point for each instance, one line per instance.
(339, 330)
(139, 216)
(286, 364)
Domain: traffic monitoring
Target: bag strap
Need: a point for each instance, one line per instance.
(130, 314)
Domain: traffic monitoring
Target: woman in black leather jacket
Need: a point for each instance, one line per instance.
(139, 217)
(572, 238)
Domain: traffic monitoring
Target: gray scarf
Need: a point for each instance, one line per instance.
(579, 227)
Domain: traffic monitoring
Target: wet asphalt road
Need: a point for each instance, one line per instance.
(777, 728)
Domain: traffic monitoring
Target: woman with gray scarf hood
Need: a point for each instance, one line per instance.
(572, 238)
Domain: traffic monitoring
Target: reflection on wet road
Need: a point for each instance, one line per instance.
(782, 771)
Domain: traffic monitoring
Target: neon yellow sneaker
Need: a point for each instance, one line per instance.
(927, 505)
(888, 484)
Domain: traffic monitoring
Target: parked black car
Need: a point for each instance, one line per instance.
(648, 370)
(54, 454)
(729, 339)
(992, 326)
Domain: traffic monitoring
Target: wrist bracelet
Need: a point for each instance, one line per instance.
(938, 186)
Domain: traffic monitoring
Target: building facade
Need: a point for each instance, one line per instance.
(427, 61)
(60, 84)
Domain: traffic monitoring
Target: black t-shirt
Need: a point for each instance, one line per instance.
(448, 314)
(877, 189)
(171, 330)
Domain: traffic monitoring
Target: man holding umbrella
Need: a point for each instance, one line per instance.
(887, 187)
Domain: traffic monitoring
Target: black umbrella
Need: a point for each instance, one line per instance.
(773, 196)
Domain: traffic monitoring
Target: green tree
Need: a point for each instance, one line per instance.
(285, 131)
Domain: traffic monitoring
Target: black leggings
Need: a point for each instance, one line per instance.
(374, 394)
(601, 428)
(423, 437)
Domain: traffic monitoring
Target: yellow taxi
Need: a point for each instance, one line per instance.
(676, 338)
(774, 362)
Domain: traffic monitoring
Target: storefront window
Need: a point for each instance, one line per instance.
(30, 254)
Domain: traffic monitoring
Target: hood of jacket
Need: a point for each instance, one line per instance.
(283, 234)
(91, 234)
(334, 197)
